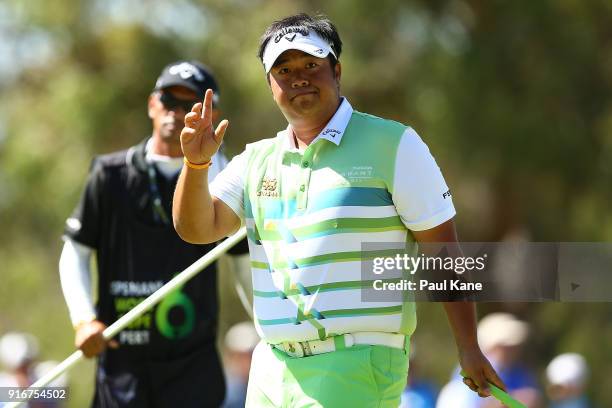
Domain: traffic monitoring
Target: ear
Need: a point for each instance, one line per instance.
(338, 73)
(152, 104)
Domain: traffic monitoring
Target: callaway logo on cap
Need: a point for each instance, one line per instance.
(190, 74)
(186, 70)
(295, 39)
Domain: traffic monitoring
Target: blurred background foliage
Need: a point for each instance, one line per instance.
(512, 97)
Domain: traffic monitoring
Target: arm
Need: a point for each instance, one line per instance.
(462, 319)
(198, 217)
(425, 206)
(75, 278)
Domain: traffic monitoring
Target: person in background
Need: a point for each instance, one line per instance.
(501, 337)
(240, 341)
(19, 356)
(567, 376)
(167, 357)
(18, 352)
(419, 392)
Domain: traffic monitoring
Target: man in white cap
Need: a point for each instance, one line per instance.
(567, 376)
(19, 355)
(334, 179)
(501, 336)
(18, 352)
(240, 341)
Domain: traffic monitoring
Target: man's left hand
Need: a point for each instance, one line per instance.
(478, 372)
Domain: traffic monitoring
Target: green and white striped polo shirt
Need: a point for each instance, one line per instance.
(363, 179)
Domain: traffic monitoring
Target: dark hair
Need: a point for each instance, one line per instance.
(301, 23)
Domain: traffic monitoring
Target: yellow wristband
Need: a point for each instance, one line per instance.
(197, 166)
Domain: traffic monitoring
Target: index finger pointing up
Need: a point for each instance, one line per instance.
(207, 108)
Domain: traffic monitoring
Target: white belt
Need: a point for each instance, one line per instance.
(312, 347)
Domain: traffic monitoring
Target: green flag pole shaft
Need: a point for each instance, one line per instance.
(502, 396)
(112, 330)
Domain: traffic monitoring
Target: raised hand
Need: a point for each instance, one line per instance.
(199, 140)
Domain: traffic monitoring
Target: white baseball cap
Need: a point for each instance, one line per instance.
(17, 349)
(295, 39)
(242, 337)
(569, 369)
(501, 329)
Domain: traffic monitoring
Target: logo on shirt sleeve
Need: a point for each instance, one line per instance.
(446, 195)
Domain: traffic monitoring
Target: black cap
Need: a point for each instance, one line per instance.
(190, 74)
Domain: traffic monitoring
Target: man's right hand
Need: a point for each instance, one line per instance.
(90, 340)
(198, 139)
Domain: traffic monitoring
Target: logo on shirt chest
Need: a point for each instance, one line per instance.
(269, 188)
(358, 173)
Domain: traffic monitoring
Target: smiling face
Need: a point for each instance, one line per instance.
(305, 88)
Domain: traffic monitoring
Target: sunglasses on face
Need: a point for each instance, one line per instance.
(172, 103)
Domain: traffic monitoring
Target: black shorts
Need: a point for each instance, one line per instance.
(194, 380)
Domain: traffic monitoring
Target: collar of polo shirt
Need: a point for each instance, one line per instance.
(295, 39)
(333, 131)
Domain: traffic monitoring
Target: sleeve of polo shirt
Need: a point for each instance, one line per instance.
(420, 194)
(228, 186)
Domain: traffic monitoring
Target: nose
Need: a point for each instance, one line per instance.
(299, 82)
(178, 112)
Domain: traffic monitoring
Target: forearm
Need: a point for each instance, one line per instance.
(192, 208)
(75, 278)
(461, 315)
(462, 319)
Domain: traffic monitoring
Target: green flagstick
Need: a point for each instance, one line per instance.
(505, 398)
(502, 396)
